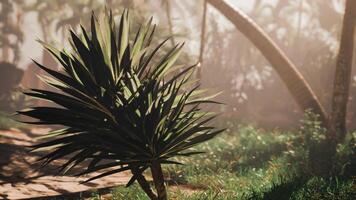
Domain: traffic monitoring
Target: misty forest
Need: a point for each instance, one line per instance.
(178, 99)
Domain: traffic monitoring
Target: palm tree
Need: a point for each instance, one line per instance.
(295, 82)
(121, 110)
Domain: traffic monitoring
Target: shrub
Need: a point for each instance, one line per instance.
(120, 111)
(321, 156)
(321, 188)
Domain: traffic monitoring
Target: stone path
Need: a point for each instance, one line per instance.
(21, 177)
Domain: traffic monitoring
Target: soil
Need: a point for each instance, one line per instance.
(21, 177)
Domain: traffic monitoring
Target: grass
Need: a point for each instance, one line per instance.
(237, 167)
(326, 189)
(246, 164)
(249, 164)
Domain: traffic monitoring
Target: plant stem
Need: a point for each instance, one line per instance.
(158, 180)
(169, 20)
(202, 41)
(144, 184)
(342, 80)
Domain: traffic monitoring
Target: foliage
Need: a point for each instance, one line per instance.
(312, 131)
(133, 193)
(320, 188)
(260, 165)
(344, 163)
(120, 111)
(315, 147)
(281, 190)
(220, 175)
(232, 170)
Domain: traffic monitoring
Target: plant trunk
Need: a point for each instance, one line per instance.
(6, 52)
(144, 184)
(321, 155)
(127, 4)
(5, 15)
(320, 162)
(47, 59)
(202, 41)
(169, 20)
(290, 75)
(158, 180)
(337, 128)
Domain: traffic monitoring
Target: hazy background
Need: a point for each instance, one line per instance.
(307, 31)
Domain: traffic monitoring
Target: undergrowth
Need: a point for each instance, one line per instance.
(256, 165)
(253, 164)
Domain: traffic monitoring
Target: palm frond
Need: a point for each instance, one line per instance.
(116, 103)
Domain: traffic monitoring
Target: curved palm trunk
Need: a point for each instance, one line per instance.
(343, 74)
(295, 82)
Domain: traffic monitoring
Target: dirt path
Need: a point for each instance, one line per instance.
(21, 177)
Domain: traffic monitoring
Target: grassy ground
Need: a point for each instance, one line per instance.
(247, 164)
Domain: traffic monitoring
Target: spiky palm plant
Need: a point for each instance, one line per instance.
(120, 110)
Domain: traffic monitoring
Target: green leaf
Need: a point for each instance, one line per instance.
(122, 102)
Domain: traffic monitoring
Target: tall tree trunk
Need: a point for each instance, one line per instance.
(6, 12)
(6, 51)
(202, 41)
(158, 180)
(343, 74)
(127, 3)
(320, 155)
(45, 56)
(290, 75)
(167, 7)
(47, 60)
(299, 29)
